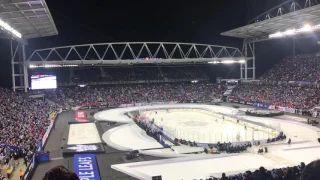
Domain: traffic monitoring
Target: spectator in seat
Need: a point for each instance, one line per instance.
(289, 175)
(262, 175)
(8, 171)
(311, 171)
(21, 174)
(60, 173)
(224, 177)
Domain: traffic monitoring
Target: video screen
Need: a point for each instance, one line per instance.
(43, 82)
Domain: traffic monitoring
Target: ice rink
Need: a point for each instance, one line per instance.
(196, 168)
(291, 126)
(129, 137)
(204, 127)
(119, 114)
(184, 122)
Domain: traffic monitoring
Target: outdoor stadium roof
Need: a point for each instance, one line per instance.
(296, 19)
(31, 18)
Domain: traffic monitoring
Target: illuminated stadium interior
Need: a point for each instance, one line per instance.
(109, 92)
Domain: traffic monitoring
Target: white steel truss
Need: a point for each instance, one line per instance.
(133, 53)
(284, 8)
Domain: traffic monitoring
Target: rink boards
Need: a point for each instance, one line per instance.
(280, 154)
(203, 126)
(200, 133)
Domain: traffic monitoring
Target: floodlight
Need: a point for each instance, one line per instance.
(306, 27)
(228, 62)
(10, 29)
(289, 32)
(276, 35)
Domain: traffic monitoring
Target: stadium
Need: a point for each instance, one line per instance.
(159, 108)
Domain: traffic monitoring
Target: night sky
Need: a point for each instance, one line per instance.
(202, 21)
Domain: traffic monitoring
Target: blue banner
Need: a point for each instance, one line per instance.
(43, 157)
(261, 105)
(10, 147)
(85, 166)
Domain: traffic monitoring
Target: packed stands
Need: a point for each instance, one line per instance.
(303, 68)
(286, 95)
(291, 83)
(138, 93)
(303, 172)
(23, 122)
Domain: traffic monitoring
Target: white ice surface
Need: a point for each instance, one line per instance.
(84, 133)
(201, 167)
(293, 129)
(118, 114)
(300, 119)
(203, 128)
(196, 168)
(129, 137)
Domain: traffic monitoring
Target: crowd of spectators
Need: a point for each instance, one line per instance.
(304, 68)
(23, 122)
(137, 93)
(300, 172)
(291, 83)
(285, 95)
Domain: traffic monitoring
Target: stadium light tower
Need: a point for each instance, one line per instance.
(21, 20)
(291, 19)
